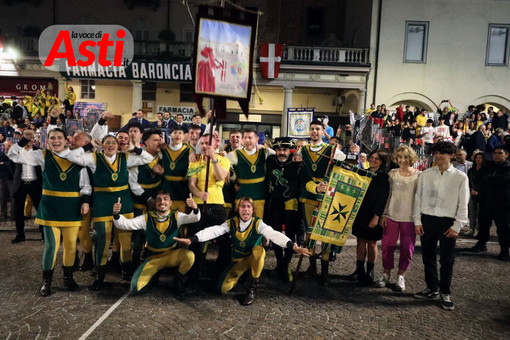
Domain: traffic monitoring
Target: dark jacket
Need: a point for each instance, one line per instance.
(500, 122)
(409, 133)
(6, 167)
(494, 193)
(477, 141)
(474, 177)
(373, 204)
(493, 141)
(7, 131)
(17, 113)
(283, 180)
(145, 123)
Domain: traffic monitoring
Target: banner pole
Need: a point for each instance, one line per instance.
(211, 131)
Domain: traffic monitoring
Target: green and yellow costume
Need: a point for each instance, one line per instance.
(162, 250)
(251, 173)
(175, 165)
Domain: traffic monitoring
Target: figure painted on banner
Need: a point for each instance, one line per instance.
(206, 79)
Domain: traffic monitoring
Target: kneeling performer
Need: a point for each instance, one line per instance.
(246, 231)
(161, 227)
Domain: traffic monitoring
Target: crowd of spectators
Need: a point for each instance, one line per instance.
(479, 128)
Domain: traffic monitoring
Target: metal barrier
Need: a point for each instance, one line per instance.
(373, 136)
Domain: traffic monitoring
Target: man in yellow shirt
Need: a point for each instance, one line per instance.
(421, 121)
(209, 200)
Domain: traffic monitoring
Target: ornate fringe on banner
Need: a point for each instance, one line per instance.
(340, 205)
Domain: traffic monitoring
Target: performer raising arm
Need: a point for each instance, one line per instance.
(110, 177)
(160, 227)
(64, 185)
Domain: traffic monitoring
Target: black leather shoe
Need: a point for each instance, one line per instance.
(356, 276)
(98, 283)
(127, 272)
(18, 239)
(324, 273)
(477, 248)
(88, 262)
(69, 282)
(250, 297)
(369, 278)
(46, 284)
(332, 256)
(504, 255)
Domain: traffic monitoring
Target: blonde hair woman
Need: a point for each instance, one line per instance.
(397, 218)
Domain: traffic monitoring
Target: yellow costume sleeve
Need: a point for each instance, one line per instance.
(311, 187)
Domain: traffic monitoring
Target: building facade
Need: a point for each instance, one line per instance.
(338, 56)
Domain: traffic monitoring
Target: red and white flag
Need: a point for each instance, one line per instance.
(270, 58)
(331, 191)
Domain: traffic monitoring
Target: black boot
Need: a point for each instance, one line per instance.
(154, 282)
(127, 271)
(179, 288)
(88, 262)
(135, 261)
(98, 283)
(504, 254)
(312, 269)
(69, 282)
(278, 269)
(46, 282)
(359, 273)
(332, 253)
(369, 276)
(324, 273)
(250, 296)
(41, 230)
(286, 272)
(76, 264)
(114, 261)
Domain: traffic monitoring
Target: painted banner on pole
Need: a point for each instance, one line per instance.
(298, 122)
(340, 205)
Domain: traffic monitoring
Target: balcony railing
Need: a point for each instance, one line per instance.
(326, 55)
(25, 46)
(28, 46)
(154, 49)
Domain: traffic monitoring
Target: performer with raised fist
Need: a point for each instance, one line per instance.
(160, 228)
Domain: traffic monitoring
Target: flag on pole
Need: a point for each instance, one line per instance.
(270, 58)
(346, 190)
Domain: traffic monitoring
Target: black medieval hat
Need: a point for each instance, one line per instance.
(283, 142)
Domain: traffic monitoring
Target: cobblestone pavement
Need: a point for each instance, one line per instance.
(343, 310)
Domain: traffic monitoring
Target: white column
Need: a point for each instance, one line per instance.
(61, 88)
(361, 102)
(287, 102)
(137, 95)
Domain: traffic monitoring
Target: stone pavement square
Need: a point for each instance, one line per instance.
(343, 310)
